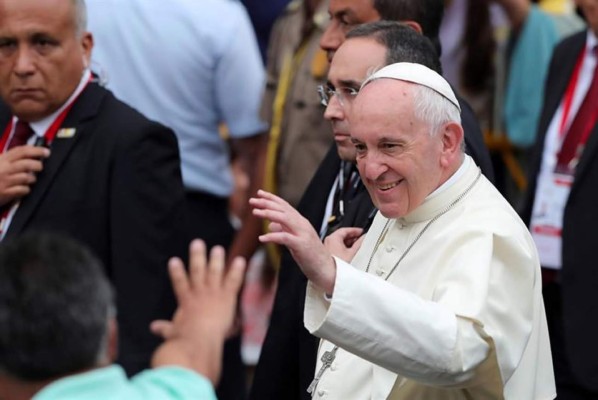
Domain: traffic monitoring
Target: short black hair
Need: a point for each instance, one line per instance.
(427, 13)
(55, 303)
(403, 44)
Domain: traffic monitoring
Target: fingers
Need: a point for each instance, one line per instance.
(178, 278)
(15, 192)
(236, 274)
(26, 165)
(346, 233)
(281, 238)
(162, 328)
(266, 201)
(216, 266)
(274, 227)
(205, 273)
(19, 179)
(197, 262)
(270, 196)
(23, 152)
(358, 242)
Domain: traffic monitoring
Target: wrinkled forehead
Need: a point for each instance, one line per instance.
(381, 99)
(386, 90)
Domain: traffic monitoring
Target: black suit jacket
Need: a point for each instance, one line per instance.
(474, 139)
(287, 362)
(579, 239)
(116, 186)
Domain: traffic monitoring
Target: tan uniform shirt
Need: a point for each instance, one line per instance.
(305, 135)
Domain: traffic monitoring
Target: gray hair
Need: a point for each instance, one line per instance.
(434, 109)
(80, 10)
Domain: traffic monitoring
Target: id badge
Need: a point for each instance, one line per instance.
(547, 217)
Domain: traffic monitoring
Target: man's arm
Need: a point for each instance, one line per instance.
(252, 158)
(239, 81)
(207, 298)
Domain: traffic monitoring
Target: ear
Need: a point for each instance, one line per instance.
(86, 47)
(414, 25)
(452, 139)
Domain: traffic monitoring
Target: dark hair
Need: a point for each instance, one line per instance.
(478, 66)
(427, 13)
(54, 307)
(403, 44)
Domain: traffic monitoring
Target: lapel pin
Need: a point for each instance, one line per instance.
(66, 133)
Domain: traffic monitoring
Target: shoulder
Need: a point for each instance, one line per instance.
(120, 123)
(570, 43)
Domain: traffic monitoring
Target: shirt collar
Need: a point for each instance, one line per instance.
(591, 41)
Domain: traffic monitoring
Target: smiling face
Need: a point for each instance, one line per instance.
(344, 16)
(41, 56)
(398, 159)
(349, 68)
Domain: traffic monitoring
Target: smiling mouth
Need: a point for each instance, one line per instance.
(388, 186)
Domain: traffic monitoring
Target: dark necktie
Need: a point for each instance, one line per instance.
(22, 134)
(581, 124)
(343, 196)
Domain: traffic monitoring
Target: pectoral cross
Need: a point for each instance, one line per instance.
(327, 360)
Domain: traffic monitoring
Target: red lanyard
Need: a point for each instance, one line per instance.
(48, 136)
(52, 130)
(569, 100)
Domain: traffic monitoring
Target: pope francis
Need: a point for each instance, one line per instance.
(442, 296)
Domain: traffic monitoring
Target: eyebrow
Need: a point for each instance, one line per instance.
(340, 13)
(350, 83)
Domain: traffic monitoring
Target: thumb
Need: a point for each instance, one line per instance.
(162, 328)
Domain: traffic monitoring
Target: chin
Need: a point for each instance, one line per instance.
(389, 210)
(346, 153)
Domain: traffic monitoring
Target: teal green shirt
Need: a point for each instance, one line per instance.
(165, 383)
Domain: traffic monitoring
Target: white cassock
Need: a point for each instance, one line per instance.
(461, 316)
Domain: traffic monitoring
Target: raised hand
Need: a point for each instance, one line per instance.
(207, 298)
(291, 229)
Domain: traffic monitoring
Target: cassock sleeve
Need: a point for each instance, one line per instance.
(395, 329)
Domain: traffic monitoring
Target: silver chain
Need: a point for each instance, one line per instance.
(419, 235)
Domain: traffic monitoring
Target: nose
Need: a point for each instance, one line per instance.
(334, 110)
(24, 63)
(332, 38)
(371, 167)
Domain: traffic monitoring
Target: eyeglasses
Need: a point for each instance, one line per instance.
(344, 94)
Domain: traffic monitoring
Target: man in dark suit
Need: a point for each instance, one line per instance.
(286, 366)
(560, 208)
(112, 177)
